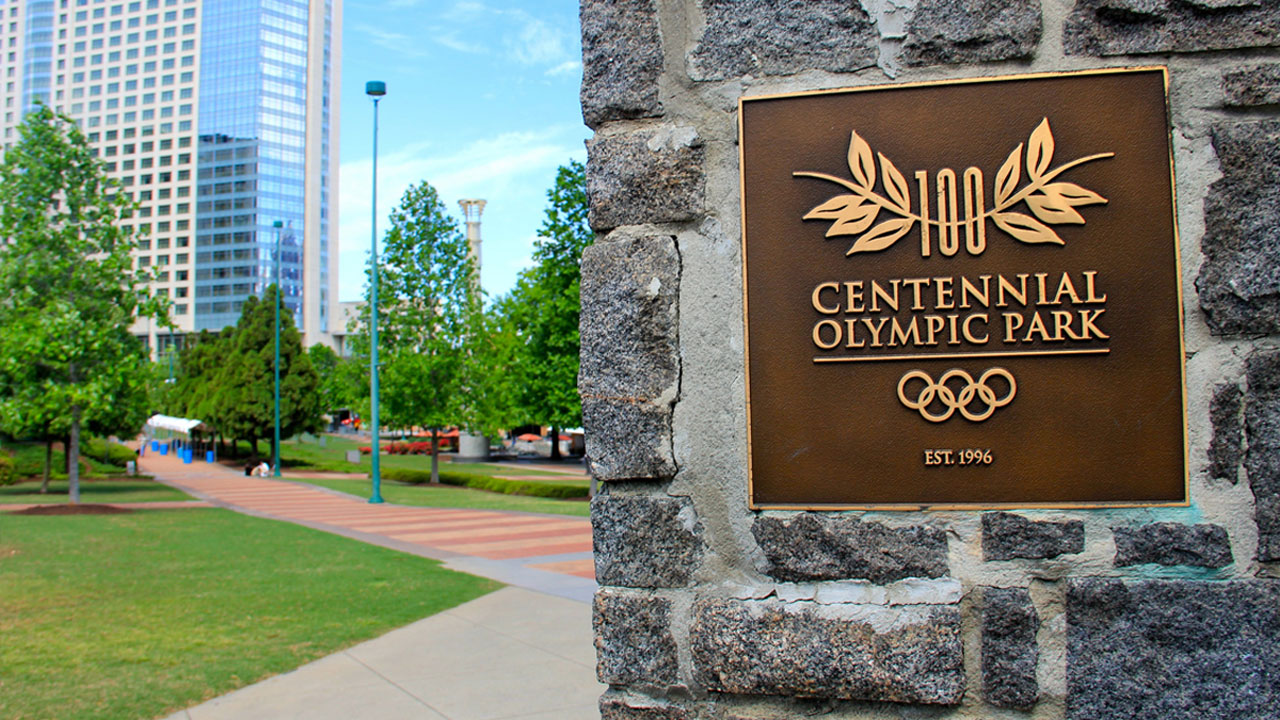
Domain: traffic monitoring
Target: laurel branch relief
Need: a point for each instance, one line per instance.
(961, 205)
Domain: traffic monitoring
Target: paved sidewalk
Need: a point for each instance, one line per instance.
(510, 654)
(523, 652)
(547, 553)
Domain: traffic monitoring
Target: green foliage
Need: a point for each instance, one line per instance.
(341, 379)
(543, 309)
(227, 379)
(246, 381)
(429, 297)
(7, 475)
(69, 289)
(107, 452)
(195, 392)
(428, 317)
(486, 482)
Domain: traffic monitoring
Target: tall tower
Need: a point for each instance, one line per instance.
(472, 210)
(219, 118)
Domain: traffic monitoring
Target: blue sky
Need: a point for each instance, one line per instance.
(482, 102)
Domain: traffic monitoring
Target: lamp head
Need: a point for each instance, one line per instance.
(375, 88)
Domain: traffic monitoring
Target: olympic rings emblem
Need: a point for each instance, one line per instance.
(954, 400)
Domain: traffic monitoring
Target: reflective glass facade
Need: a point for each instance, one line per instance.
(37, 54)
(251, 164)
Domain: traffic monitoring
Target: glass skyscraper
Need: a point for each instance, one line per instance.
(218, 117)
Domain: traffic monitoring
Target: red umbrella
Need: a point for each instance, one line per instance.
(528, 437)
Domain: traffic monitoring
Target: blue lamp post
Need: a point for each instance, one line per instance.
(374, 89)
(275, 458)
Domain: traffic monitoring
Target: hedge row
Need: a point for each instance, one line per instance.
(485, 482)
(108, 452)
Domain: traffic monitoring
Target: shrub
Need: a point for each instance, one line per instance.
(485, 482)
(7, 475)
(107, 452)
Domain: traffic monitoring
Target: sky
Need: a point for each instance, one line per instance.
(482, 102)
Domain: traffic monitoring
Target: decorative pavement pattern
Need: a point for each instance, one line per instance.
(546, 553)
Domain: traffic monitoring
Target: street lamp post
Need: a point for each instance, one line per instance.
(275, 459)
(374, 89)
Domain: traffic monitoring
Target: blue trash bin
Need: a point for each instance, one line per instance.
(164, 449)
(155, 444)
(186, 457)
(208, 456)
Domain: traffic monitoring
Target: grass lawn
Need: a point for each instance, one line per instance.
(139, 615)
(309, 455)
(456, 497)
(92, 491)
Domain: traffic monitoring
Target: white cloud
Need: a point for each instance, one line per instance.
(537, 43)
(567, 67)
(524, 38)
(453, 42)
(391, 41)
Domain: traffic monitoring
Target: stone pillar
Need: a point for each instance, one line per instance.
(710, 611)
(472, 447)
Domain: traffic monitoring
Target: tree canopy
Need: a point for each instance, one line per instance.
(227, 379)
(68, 290)
(428, 307)
(544, 306)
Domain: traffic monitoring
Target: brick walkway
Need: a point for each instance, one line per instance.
(548, 553)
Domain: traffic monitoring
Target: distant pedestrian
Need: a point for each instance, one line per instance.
(263, 469)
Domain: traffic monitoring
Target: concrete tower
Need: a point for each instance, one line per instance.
(471, 210)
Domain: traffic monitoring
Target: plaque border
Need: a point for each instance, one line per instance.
(977, 506)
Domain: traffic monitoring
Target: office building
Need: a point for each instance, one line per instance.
(220, 117)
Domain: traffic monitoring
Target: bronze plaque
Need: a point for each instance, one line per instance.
(964, 294)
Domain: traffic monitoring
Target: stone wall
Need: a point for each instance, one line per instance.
(708, 610)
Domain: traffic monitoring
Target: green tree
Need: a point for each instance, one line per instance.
(340, 381)
(197, 391)
(544, 308)
(68, 288)
(429, 305)
(245, 405)
(27, 412)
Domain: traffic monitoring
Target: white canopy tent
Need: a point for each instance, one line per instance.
(171, 426)
(161, 428)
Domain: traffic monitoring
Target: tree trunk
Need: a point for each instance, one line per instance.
(66, 455)
(48, 465)
(73, 455)
(435, 456)
(555, 443)
(255, 448)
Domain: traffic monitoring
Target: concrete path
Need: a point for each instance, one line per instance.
(522, 652)
(510, 654)
(547, 553)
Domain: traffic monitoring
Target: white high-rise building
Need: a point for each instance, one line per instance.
(220, 117)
